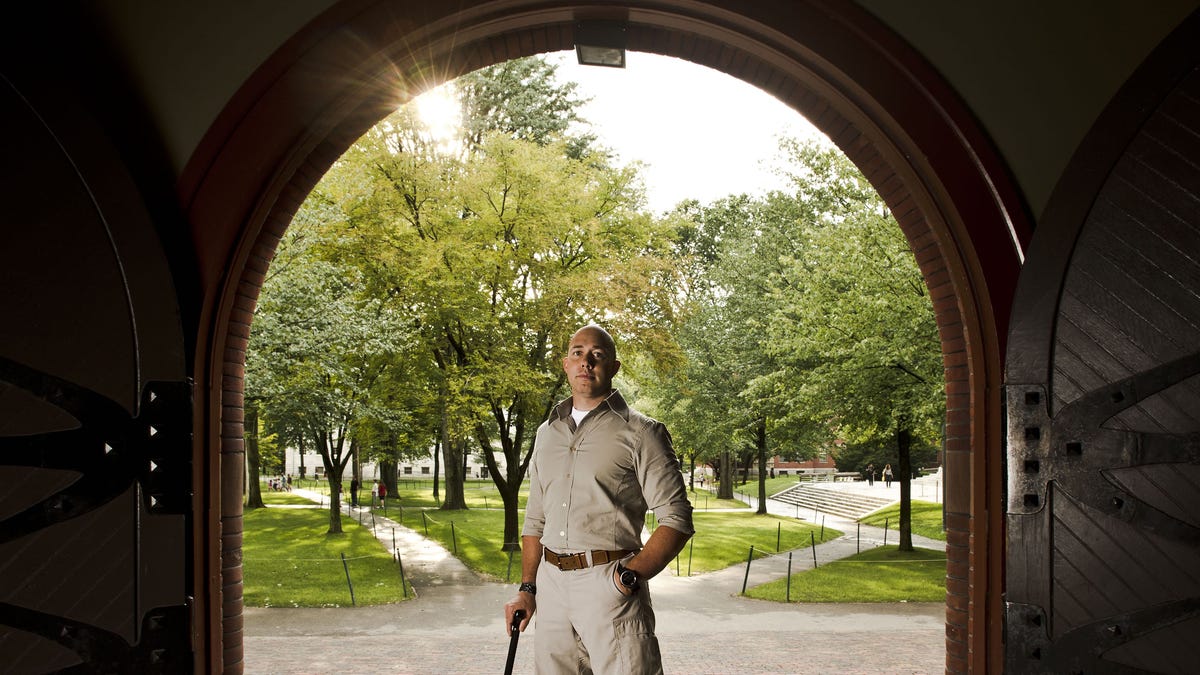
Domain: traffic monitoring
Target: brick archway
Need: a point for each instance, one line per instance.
(890, 114)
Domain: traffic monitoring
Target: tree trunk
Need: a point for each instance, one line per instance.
(761, 443)
(437, 459)
(904, 471)
(456, 497)
(253, 460)
(725, 486)
(303, 469)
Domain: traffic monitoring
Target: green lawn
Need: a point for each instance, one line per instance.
(271, 498)
(290, 561)
(724, 539)
(882, 574)
(926, 519)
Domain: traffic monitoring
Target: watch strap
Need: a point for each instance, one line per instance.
(527, 587)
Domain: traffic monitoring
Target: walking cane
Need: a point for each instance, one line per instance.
(515, 631)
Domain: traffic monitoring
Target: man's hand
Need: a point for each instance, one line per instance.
(522, 601)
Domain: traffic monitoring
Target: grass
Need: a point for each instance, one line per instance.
(703, 500)
(882, 574)
(271, 498)
(290, 561)
(926, 519)
(724, 539)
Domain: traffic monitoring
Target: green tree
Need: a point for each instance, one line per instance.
(318, 347)
(853, 327)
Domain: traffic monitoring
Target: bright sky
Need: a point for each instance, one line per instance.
(701, 133)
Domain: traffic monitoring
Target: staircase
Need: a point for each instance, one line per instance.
(829, 499)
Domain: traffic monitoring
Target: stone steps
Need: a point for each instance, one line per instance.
(845, 503)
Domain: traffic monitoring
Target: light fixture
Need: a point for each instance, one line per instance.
(600, 43)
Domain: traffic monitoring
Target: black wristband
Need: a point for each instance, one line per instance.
(527, 587)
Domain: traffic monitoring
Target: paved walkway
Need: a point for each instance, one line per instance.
(455, 623)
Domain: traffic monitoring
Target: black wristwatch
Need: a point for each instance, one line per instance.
(527, 587)
(629, 578)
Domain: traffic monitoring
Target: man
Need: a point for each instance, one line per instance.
(597, 466)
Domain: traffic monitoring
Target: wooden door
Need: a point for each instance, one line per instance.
(95, 410)
(1103, 405)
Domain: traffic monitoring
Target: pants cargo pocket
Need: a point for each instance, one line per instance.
(637, 646)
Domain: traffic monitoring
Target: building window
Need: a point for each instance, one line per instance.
(408, 470)
(425, 471)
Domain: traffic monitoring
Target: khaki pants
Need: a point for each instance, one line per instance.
(585, 625)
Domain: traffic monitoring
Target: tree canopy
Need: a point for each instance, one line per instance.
(424, 296)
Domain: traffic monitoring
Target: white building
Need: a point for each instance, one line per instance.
(313, 466)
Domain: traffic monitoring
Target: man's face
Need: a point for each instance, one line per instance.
(590, 364)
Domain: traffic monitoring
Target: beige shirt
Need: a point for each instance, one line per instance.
(590, 486)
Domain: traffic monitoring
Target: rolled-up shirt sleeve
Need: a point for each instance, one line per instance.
(535, 515)
(662, 482)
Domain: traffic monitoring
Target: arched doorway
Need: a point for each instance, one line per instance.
(835, 65)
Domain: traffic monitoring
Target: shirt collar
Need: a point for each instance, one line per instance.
(614, 402)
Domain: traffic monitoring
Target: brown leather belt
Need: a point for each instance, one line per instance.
(578, 561)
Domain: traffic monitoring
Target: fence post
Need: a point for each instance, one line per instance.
(822, 528)
(858, 539)
(403, 582)
(747, 577)
(778, 536)
(425, 521)
(691, 547)
(886, 521)
(813, 539)
(453, 538)
(348, 582)
(789, 577)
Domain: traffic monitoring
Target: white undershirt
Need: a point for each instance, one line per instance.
(578, 415)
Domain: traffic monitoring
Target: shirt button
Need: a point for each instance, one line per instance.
(564, 505)
(562, 534)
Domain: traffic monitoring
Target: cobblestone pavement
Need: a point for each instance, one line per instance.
(455, 624)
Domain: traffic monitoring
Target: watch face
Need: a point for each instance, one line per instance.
(629, 578)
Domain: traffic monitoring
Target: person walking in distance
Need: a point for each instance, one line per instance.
(597, 466)
(871, 474)
(887, 475)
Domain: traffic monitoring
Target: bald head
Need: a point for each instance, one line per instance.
(590, 364)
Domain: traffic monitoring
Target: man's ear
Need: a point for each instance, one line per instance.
(616, 367)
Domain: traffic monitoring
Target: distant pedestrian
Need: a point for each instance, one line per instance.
(354, 485)
(871, 474)
(887, 475)
(374, 493)
(383, 495)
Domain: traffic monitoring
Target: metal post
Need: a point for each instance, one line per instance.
(425, 521)
(453, 538)
(691, 547)
(885, 529)
(813, 539)
(348, 582)
(822, 528)
(403, 582)
(858, 539)
(789, 577)
(778, 536)
(747, 577)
